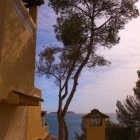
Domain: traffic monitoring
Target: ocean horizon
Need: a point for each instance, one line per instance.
(73, 122)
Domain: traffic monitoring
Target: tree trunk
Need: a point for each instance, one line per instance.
(63, 131)
(60, 119)
(66, 132)
(60, 126)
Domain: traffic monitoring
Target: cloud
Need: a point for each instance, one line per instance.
(102, 89)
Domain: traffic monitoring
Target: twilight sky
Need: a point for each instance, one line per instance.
(100, 87)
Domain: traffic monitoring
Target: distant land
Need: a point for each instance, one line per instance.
(112, 116)
(69, 112)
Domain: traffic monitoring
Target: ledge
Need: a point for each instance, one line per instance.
(28, 96)
(21, 99)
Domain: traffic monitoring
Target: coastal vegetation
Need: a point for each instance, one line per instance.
(114, 131)
(128, 113)
(83, 135)
(83, 26)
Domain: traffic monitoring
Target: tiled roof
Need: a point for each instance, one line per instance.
(96, 113)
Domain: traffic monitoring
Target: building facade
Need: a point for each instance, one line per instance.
(95, 125)
(20, 100)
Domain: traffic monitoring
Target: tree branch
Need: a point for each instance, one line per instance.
(66, 91)
(54, 76)
(76, 76)
(106, 22)
(88, 7)
(77, 7)
(65, 85)
(103, 8)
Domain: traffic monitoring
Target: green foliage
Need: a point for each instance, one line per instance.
(129, 112)
(103, 17)
(83, 136)
(117, 132)
(70, 30)
(113, 132)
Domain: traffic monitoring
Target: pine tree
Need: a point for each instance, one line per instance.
(83, 26)
(129, 113)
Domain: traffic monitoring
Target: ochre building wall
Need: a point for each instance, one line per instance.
(17, 58)
(35, 121)
(35, 128)
(95, 132)
(13, 118)
(17, 63)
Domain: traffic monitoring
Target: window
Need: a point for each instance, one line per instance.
(96, 122)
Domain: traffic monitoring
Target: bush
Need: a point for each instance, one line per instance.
(117, 132)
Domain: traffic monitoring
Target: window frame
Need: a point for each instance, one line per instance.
(95, 121)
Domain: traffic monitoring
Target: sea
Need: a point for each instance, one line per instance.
(73, 123)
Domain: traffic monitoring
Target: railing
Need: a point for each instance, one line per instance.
(46, 127)
(24, 16)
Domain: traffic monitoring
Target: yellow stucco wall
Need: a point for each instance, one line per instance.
(2, 15)
(35, 128)
(13, 122)
(17, 63)
(17, 52)
(95, 132)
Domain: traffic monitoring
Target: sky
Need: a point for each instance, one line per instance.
(100, 87)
